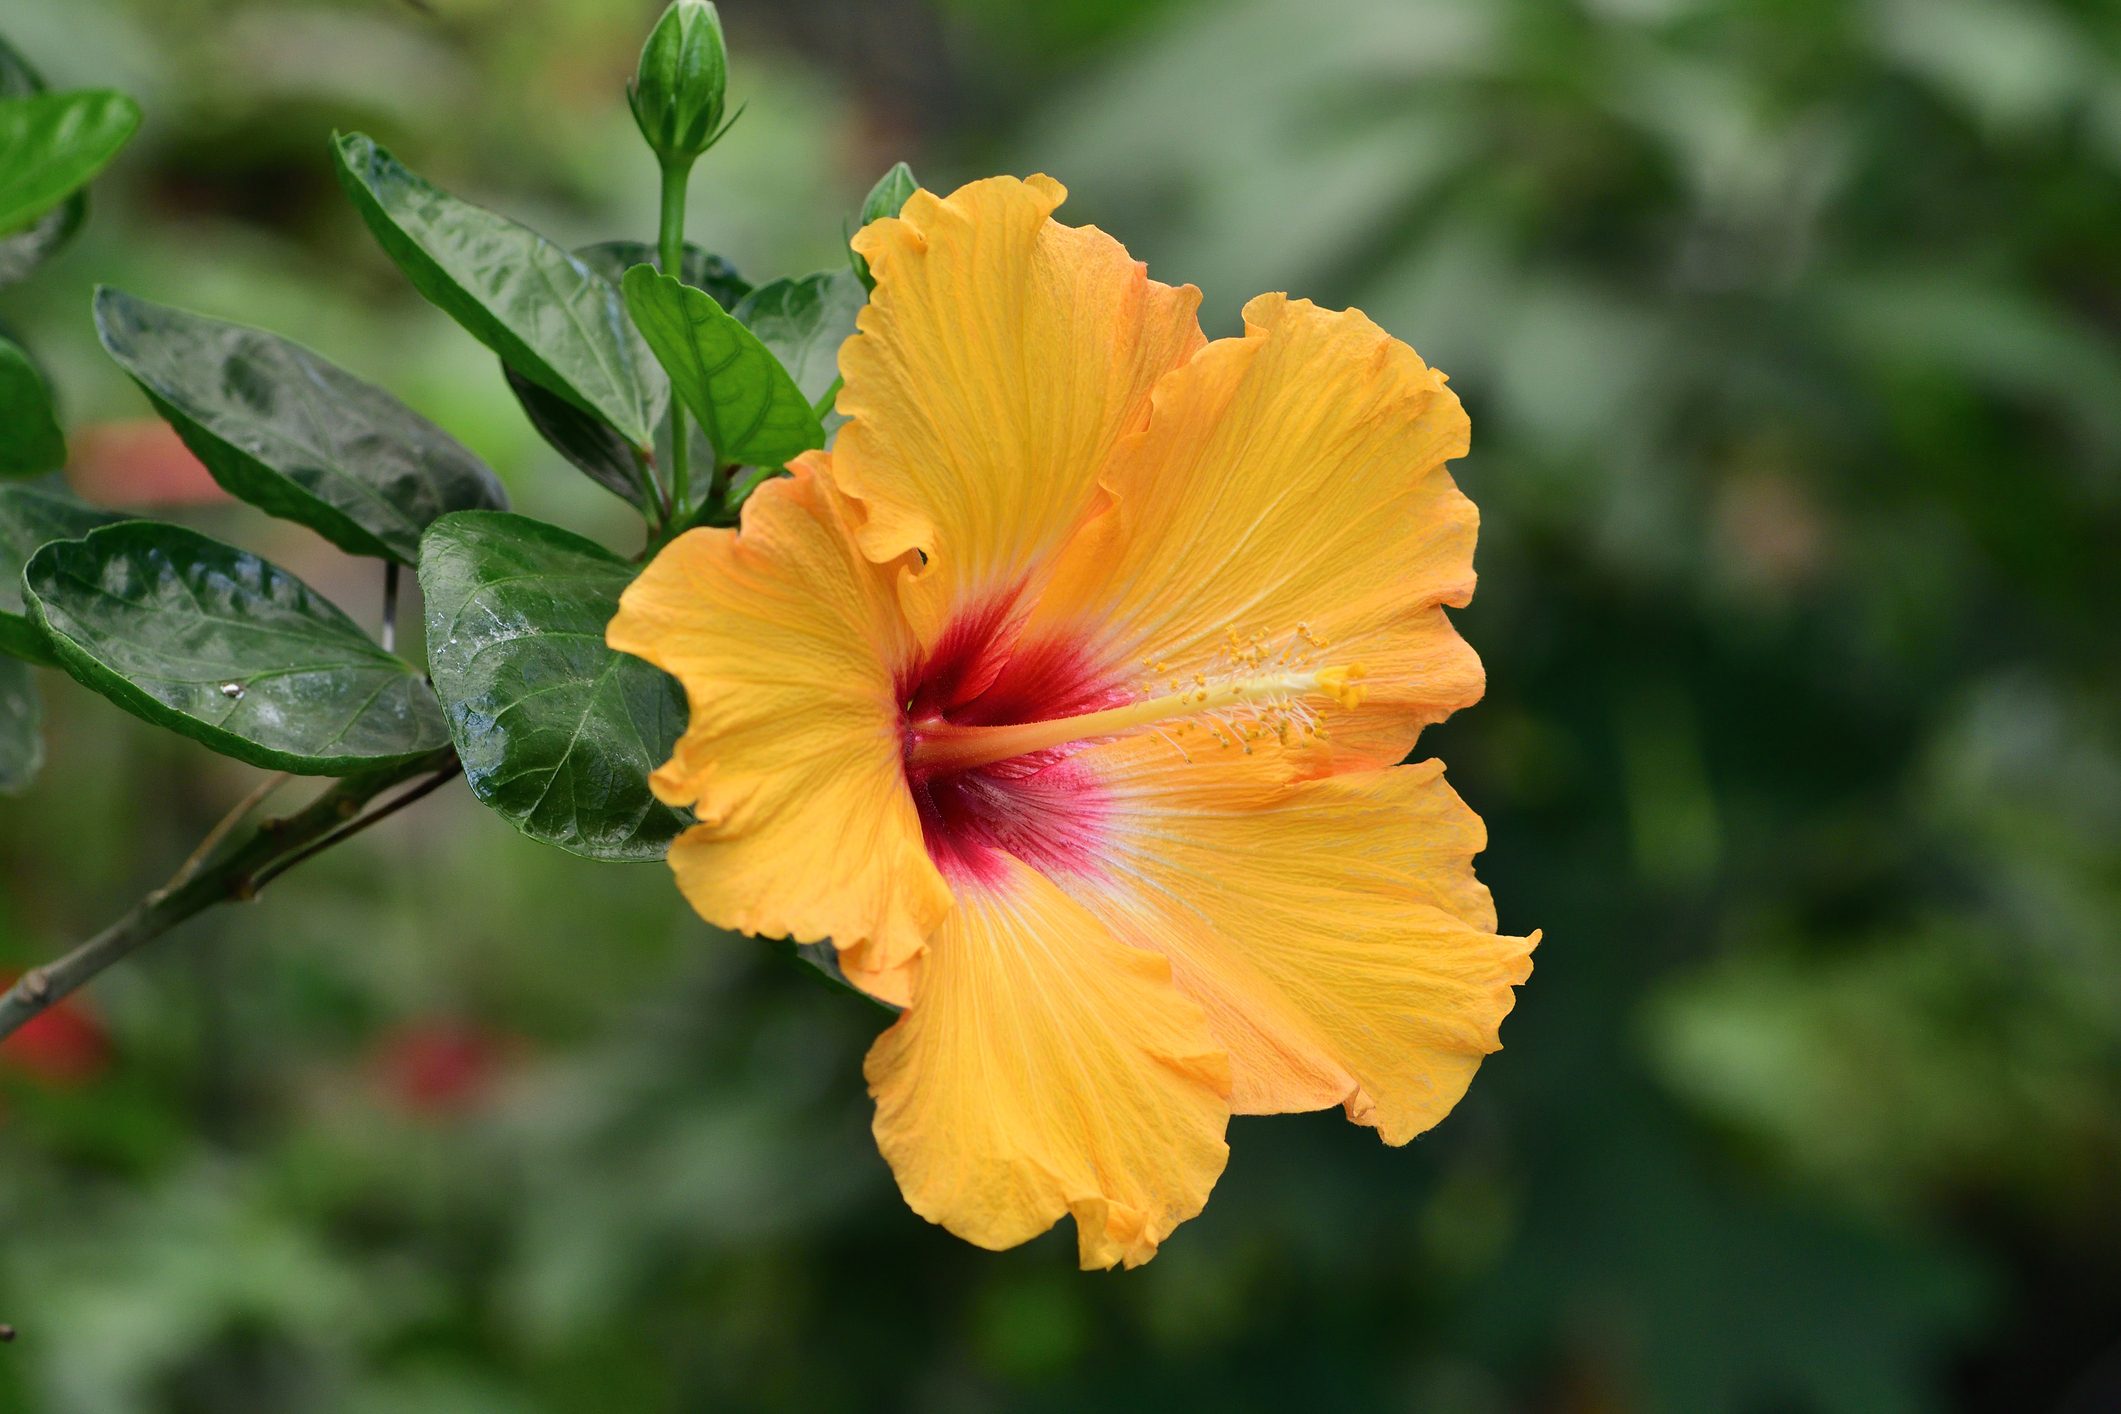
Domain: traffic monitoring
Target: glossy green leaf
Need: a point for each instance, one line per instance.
(601, 454)
(804, 322)
(30, 518)
(21, 734)
(703, 269)
(557, 732)
(748, 405)
(548, 315)
(52, 144)
(588, 445)
(292, 434)
(30, 441)
(224, 647)
(25, 250)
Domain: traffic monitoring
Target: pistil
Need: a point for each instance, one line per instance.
(937, 746)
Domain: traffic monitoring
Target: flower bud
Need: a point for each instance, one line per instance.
(678, 94)
(886, 198)
(889, 194)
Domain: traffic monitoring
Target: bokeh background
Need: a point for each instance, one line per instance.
(1791, 332)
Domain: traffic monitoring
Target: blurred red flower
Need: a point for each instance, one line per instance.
(64, 1047)
(440, 1067)
(139, 462)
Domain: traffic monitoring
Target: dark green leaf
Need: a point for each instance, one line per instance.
(25, 250)
(749, 407)
(29, 248)
(31, 518)
(296, 436)
(592, 448)
(546, 313)
(557, 732)
(30, 441)
(601, 454)
(219, 645)
(703, 271)
(52, 144)
(21, 740)
(804, 322)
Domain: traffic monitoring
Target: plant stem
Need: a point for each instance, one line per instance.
(211, 841)
(659, 497)
(671, 247)
(388, 808)
(270, 849)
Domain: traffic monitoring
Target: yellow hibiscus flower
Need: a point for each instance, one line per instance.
(1066, 697)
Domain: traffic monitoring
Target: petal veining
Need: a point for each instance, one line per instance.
(999, 360)
(1046, 1070)
(1289, 483)
(789, 643)
(1332, 929)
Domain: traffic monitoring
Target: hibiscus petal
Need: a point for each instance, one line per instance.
(1332, 929)
(787, 641)
(1290, 480)
(1000, 358)
(1046, 1070)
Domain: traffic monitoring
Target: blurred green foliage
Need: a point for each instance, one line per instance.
(1791, 331)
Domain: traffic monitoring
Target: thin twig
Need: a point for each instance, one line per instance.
(271, 848)
(286, 862)
(221, 829)
(659, 499)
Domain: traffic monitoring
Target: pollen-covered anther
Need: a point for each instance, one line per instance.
(1344, 685)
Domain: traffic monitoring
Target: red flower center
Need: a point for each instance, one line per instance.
(1042, 806)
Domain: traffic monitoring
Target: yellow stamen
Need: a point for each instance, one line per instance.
(947, 746)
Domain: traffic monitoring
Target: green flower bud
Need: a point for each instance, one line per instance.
(678, 94)
(889, 194)
(886, 198)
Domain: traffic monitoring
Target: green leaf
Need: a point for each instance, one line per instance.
(21, 739)
(224, 647)
(43, 238)
(601, 454)
(545, 312)
(803, 323)
(30, 441)
(557, 732)
(292, 434)
(25, 250)
(703, 270)
(588, 445)
(52, 144)
(749, 407)
(31, 518)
